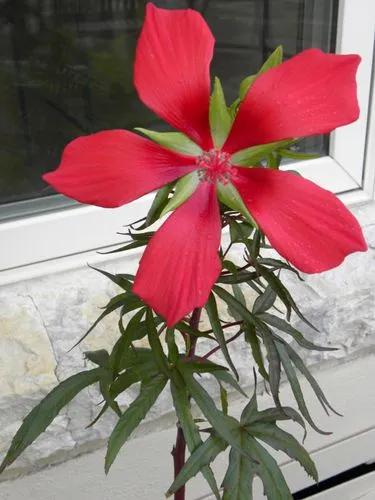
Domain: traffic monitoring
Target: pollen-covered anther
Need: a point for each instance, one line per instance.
(215, 166)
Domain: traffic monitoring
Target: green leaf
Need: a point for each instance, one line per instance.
(105, 384)
(229, 195)
(189, 428)
(226, 426)
(264, 301)
(238, 478)
(176, 141)
(275, 414)
(128, 246)
(227, 378)
(252, 338)
(201, 365)
(282, 292)
(281, 440)
(274, 364)
(296, 387)
(100, 357)
(284, 326)
(135, 329)
(235, 304)
(251, 409)
(118, 279)
(240, 277)
(44, 413)
(126, 380)
(185, 187)
(300, 365)
(201, 457)
(250, 157)
(275, 486)
(155, 344)
(112, 305)
(133, 416)
(224, 400)
(213, 316)
(158, 204)
(220, 117)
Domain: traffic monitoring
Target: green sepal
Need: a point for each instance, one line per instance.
(250, 157)
(175, 141)
(220, 117)
(185, 187)
(273, 60)
(229, 195)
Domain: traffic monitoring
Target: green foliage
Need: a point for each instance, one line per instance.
(265, 327)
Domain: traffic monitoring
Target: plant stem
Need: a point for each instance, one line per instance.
(179, 448)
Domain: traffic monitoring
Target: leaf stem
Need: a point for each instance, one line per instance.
(217, 348)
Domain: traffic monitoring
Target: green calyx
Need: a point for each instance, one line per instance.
(184, 188)
(175, 141)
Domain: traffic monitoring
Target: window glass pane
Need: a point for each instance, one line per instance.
(66, 69)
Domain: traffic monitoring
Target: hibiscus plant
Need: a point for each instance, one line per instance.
(218, 175)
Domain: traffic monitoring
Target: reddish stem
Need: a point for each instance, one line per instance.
(179, 448)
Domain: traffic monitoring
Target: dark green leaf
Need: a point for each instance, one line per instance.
(275, 486)
(118, 279)
(281, 440)
(238, 478)
(155, 344)
(44, 413)
(189, 427)
(158, 204)
(295, 386)
(100, 357)
(252, 338)
(264, 301)
(213, 316)
(284, 326)
(202, 456)
(133, 416)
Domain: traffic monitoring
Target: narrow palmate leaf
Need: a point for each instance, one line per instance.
(264, 301)
(284, 326)
(227, 427)
(202, 456)
(133, 416)
(300, 365)
(176, 141)
(213, 316)
(252, 339)
(44, 413)
(155, 344)
(295, 386)
(157, 206)
(219, 116)
(281, 413)
(274, 364)
(185, 187)
(118, 279)
(189, 428)
(274, 484)
(238, 478)
(281, 440)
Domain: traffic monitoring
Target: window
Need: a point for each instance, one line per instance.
(66, 70)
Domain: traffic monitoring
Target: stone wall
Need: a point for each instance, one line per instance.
(41, 319)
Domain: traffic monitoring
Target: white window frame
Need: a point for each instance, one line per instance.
(68, 238)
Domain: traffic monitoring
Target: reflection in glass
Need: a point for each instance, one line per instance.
(66, 69)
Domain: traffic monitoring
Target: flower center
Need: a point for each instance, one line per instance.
(215, 166)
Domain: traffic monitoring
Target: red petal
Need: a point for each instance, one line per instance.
(181, 263)
(311, 93)
(171, 70)
(113, 167)
(306, 224)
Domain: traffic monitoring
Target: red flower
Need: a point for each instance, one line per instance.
(312, 93)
